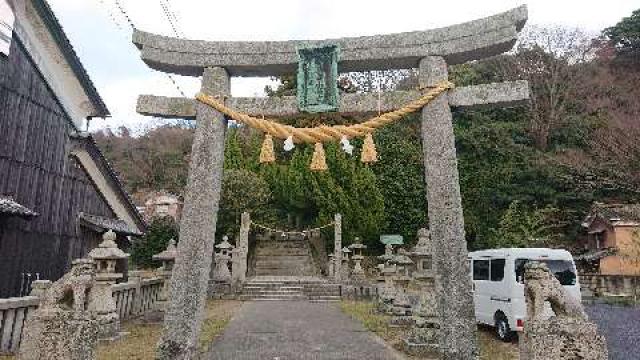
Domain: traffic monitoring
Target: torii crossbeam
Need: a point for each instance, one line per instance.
(430, 51)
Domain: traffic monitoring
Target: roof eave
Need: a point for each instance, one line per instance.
(52, 23)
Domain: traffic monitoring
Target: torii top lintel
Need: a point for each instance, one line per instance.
(460, 43)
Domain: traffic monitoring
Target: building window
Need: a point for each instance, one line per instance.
(7, 19)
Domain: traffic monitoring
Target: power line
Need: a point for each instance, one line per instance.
(171, 18)
(124, 13)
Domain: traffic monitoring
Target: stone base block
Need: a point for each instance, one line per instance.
(400, 321)
(561, 338)
(54, 334)
(423, 351)
(219, 290)
(116, 337)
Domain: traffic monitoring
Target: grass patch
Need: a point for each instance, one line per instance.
(365, 312)
(140, 343)
(491, 348)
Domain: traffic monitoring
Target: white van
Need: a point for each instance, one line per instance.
(498, 289)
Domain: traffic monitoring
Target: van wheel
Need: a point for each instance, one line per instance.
(503, 331)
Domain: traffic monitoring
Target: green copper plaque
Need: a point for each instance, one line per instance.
(318, 78)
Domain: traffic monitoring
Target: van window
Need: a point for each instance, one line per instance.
(497, 269)
(564, 270)
(480, 269)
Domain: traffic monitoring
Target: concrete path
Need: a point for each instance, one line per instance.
(296, 330)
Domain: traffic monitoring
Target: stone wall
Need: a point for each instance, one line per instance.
(607, 285)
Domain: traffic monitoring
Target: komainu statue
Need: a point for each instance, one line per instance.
(568, 333)
(63, 327)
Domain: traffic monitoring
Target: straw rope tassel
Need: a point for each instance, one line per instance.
(369, 153)
(266, 153)
(318, 161)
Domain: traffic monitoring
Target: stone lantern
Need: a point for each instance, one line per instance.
(357, 247)
(221, 273)
(387, 290)
(401, 306)
(422, 338)
(168, 259)
(344, 267)
(422, 256)
(105, 256)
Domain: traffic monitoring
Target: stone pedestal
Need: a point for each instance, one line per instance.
(63, 327)
(401, 307)
(561, 338)
(56, 334)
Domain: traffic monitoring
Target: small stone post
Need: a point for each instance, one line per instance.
(331, 266)
(243, 245)
(344, 267)
(189, 282)
(168, 258)
(453, 283)
(135, 277)
(337, 247)
(236, 269)
(101, 299)
(39, 287)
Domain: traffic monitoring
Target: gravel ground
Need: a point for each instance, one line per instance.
(621, 326)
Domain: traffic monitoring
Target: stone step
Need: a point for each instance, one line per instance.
(285, 258)
(324, 298)
(279, 252)
(281, 265)
(281, 245)
(272, 286)
(282, 272)
(274, 297)
(270, 291)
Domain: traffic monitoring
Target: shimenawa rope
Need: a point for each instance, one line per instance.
(324, 133)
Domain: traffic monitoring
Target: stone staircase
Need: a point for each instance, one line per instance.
(283, 256)
(279, 288)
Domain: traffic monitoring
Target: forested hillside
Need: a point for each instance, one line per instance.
(528, 174)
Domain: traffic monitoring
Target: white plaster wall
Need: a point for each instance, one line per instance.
(51, 62)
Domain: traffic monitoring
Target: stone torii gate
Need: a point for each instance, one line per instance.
(430, 51)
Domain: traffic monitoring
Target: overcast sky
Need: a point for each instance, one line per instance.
(102, 36)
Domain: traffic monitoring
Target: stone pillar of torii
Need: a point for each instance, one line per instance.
(430, 51)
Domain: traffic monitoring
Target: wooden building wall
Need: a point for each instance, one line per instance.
(37, 171)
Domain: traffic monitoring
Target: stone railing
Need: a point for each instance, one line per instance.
(135, 298)
(359, 292)
(616, 285)
(13, 313)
